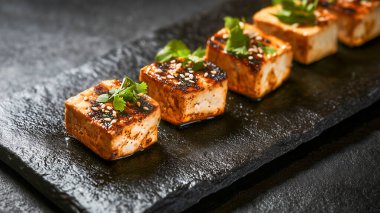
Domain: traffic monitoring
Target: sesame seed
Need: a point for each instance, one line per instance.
(145, 108)
(109, 107)
(107, 119)
(178, 66)
(259, 55)
(182, 75)
(186, 79)
(191, 81)
(191, 71)
(163, 77)
(114, 113)
(102, 106)
(225, 36)
(260, 50)
(172, 61)
(159, 70)
(170, 76)
(213, 72)
(191, 76)
(138, 103)
(250, 57)
(259, 38)
(187, 74)
(95, 108)
(113, 121)
(106, 111)
(206, 74)
(251, 50)
(102, 110)
(85, 98)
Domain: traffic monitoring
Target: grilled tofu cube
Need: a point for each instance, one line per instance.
(309, 43)
(109, 133)
(358, 21)
(257, 74)
(186, 95)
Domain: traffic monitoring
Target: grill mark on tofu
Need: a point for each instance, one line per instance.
(355, 8)
(104, 114)
(178, 77)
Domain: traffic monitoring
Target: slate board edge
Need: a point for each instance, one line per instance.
(59, 198)
(169, 204)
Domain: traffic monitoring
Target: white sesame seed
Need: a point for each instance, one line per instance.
(206, 74)
(138, 103)
(95, 108)
(182, 75)
(170, 76)
(114, 113)
(102, 110)
(107, 119)
(85, 98)
(159, 70)
(251, 50)
(178, 66)
(186, 79)
(106, 111)
(102, 106)
(113, 121)
(213, 72)
(259, 55)
(163, 77)
(191, 81)
(172, 61)
(109, 107)
(191, 71)
(191, 76)
(260, 50)
(250, 57)
(187, 74)
(140, 94)
(145, 108)
(259, 38)
(225, 36)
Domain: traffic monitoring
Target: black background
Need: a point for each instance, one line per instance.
(338, 171)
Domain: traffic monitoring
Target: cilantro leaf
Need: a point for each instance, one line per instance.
(174, 49)
(119, 103)
(103, 98)
(267, 49)
(237, 42)
(296, 11)
(177, 49)
(127, 92)
(141, 88)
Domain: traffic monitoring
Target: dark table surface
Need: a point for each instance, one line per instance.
(338, 171)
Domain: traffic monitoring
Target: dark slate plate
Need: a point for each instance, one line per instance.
(188, 163)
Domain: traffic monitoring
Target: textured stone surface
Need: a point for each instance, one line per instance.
(337, 172)
(184, 166)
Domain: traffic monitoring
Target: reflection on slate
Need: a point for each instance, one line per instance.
(336, 172)
(188, 163)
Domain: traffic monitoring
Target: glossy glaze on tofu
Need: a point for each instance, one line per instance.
(258, 74)
(109, 133)
(310, 43)
(358, 21)
(186, 95)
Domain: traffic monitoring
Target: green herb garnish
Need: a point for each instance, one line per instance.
(297, 11)
(177, 49)
(267, 49)
(127, 92)
(237, 42)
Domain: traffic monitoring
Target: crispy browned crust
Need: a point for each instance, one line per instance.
(301, 42)
(244, 75)
(94, 130)
(173, 93)
(351, 14)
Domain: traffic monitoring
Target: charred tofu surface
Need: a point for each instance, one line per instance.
(110, 133)
(183, 94)
(258, 73)
(358, 20)
(310, 43)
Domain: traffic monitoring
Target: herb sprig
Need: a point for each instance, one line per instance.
(128, 92)
(177, 49)
(237, 42)
(267, 49)
(297, 11)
